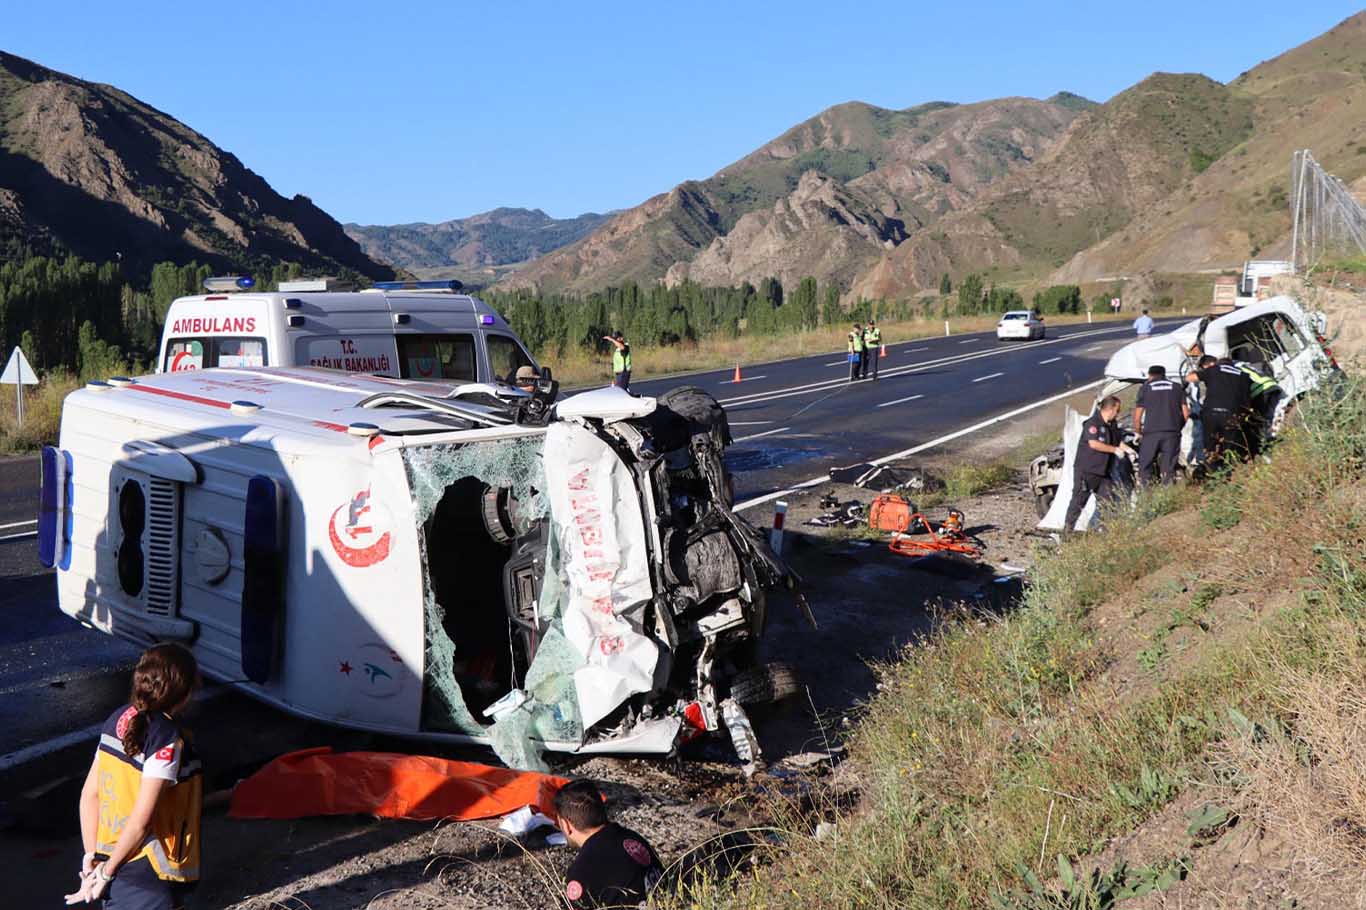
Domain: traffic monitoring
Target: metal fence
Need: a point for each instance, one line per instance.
(1328, 221)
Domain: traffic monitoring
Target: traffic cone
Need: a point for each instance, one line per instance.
(737, 373)
(883, 352)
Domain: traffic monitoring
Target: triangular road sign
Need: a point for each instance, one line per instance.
(17, 371)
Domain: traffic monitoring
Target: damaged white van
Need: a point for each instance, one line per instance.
(459, 562)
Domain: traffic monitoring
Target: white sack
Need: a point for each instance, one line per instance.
(596, 517)
(1057, 512)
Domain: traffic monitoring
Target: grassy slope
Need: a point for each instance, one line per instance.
(1154, 665)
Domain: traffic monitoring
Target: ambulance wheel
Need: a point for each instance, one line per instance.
(1043, 500)
(764, 684)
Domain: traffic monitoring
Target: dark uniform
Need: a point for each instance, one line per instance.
(1266, 396)
(615, 867)
(1161, 401)
(1091, 469)
(1228, 403)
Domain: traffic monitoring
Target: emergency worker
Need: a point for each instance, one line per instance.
(1228, 400)
(615, 866)
(872, 344)
(856, 352)
(1159, 414)
(1266, 395)
(621, 361)
(1100, 442)
(140, 806)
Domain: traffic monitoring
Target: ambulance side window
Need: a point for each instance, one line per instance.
(505, 356)
(437, 357)
(202, 353)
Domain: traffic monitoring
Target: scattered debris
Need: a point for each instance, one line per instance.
(848, 515)
(949, 537)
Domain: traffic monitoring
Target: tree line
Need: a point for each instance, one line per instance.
(93, 319)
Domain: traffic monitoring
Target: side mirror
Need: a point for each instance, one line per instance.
(545, 374)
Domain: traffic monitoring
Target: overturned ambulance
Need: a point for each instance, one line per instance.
(471, 562)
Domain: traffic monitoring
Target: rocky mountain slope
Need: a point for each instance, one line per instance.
(499, 237)
(872, 177)
(88, 168)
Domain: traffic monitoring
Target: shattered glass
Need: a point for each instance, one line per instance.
(511, 463)
(439, 678)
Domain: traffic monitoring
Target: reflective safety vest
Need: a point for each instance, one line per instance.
(172, 843)
(621, 359)
(1261, 384)
(855, 343)
(872, 337)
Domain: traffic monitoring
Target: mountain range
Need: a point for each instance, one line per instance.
(503, 236)
(1177, 173)
(89, 169)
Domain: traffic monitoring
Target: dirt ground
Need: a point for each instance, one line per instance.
(868, 603)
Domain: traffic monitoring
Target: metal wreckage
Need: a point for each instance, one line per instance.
(472, 563)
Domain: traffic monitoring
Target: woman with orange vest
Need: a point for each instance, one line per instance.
(141, 803)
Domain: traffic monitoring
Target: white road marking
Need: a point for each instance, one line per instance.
(915, 450)
(970, 341)
(1049, 360)
(1094, 347)
(749, 423)
(824, 384)
(763, 434)
(76, 737)
(988, 376)
(838, 363)
(21, 536)
(913, 350)
(743, 379)
(18, 524)
(900, 400)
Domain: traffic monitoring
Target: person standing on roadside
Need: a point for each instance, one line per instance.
(1100, 442)
(1160, 413)
(621, 361)
(615, 866)
(855, 352)
(141, 803)
(872, 343)
(1143, 325)
(1227, 404)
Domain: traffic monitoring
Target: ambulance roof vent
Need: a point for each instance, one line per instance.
(362, 429)
(229, 283)
(315, 285)
(245, 407)
(120, 382)
(98, 385)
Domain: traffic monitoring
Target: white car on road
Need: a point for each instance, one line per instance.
(1024, 325)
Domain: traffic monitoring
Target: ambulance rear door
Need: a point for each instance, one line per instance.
(351, 332)
(231, 330)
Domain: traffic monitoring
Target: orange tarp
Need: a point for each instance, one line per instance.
(388, 784)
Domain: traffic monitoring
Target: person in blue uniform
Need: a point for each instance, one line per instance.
(615, 866)
(1100, 442)
(1160, 413)
(141, 804)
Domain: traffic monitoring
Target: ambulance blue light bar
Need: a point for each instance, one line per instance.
(229, 283)
(449, 284)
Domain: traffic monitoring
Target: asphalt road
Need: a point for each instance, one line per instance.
(792, 421)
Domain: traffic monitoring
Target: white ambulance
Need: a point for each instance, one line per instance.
(464, 562)
(410, 330)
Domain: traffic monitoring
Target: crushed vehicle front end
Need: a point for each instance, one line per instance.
(588, 587)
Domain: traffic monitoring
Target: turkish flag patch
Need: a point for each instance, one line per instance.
(1091, 430)
(125, 719)
(165, 754)
(573, 890)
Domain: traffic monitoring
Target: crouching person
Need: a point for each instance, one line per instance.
(615, 867)
(141, 803)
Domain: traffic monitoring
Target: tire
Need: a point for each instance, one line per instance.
(764, 684)
(1043, 500)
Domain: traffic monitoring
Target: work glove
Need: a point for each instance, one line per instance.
(92, 887)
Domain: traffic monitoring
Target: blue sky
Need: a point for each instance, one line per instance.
(424, 111)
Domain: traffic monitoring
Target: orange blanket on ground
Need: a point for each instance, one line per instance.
(388, 784)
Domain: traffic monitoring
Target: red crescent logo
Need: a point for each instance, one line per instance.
(358, 557)
(175, 363)
(573, 891)
(426, 366)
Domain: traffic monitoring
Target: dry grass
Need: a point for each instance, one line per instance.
(42, 413)
(1006, 742)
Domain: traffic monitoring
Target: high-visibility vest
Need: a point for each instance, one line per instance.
(872, 337)
(1260, 384)
(621, 360)
(855, 343)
